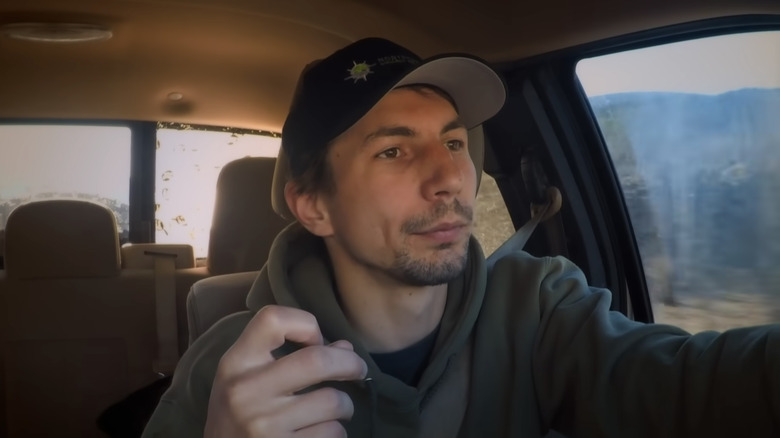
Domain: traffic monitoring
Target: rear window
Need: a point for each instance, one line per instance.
(188, 162)
(62, 161)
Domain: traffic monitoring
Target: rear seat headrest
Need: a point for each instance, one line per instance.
(244, 224)
(62, 238)
(282, 171)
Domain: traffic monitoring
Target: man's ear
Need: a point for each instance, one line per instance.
(309, 209)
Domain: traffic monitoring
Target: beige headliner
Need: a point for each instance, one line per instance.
(236, 61)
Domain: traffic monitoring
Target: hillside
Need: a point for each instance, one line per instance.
(701, 177)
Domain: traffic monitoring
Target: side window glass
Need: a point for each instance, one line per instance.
(66, 161)
(188, 163)
(492, 224)
(692, 129)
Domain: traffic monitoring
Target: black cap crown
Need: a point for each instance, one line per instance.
(334, 93)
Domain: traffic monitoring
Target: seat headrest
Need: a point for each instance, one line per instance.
(61, 238)
(244, 224)
(282, 171)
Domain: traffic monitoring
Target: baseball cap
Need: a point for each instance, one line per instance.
(335, 92)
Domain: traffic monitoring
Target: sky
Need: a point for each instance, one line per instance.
(52, 158)
(707, 66)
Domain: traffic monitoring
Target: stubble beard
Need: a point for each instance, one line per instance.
(421, 272)
(415, 272)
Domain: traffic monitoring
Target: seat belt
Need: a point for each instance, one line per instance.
(520, 237)
(165, 305)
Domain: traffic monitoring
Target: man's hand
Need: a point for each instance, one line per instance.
(254, 395)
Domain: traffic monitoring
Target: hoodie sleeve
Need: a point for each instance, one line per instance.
(599, 374)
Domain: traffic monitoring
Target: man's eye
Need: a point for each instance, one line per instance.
(389, 153)
(456, 145)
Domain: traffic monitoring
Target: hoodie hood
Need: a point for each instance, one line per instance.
(298, 274)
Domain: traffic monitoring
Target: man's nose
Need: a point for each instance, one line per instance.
(442, 173)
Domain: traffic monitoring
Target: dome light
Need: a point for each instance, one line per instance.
(56, 32)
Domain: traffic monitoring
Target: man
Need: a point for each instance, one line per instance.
(375, 315)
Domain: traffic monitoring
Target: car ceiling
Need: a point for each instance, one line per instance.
(236, 61)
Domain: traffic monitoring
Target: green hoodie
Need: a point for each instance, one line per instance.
(521, 349)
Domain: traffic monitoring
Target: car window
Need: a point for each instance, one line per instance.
(188, 162)
(66, 161)
(492, 223)
(691, 128)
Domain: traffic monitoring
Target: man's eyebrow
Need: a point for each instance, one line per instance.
(455, 124)
(390, 131)
(404, 131)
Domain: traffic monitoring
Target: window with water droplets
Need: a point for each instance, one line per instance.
(188, 162)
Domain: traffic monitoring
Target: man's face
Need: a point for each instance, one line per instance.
(404, 190)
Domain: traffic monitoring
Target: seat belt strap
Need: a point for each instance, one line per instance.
(165, 305)
(520, 237)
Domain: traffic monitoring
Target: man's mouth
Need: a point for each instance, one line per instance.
(445, 224)
(444, 232)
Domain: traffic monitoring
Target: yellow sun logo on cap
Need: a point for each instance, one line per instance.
(359, 71)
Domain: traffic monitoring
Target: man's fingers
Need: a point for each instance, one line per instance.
(259, 387)
(344, 345)
(320, 406)
(312, 365)
(329, 429)
(292, 374)
(301, 412)
(267, 331)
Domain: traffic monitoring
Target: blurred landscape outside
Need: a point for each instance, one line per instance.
(692, 129)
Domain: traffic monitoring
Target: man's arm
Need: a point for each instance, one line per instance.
(600, 374)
